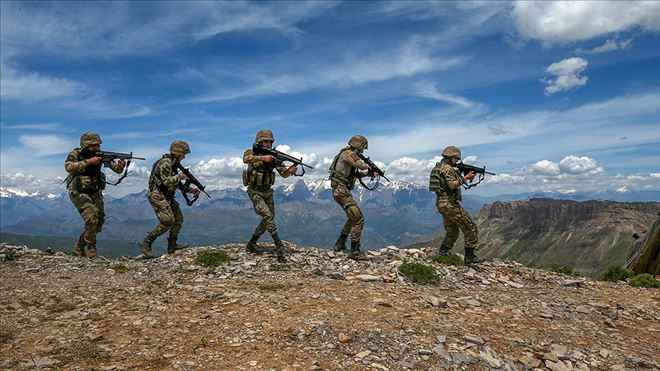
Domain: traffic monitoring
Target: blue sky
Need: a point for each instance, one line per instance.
(551, 96)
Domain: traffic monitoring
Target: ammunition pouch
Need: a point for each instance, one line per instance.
(89, 183)
(257, 179)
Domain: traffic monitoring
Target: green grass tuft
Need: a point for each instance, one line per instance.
(563, 269)
(452, 259)
(419, 273)
(212, 258)
(644, 280)
(616, 273)
(280, 267)
(120, 268)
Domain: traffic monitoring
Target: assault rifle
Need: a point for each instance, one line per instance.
(107, 157)
(280, 157)
(191, 180)
(373, 169)
(465, 169)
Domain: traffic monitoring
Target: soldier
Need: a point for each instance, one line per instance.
(86, 183)
(163, 183)
(345, 169)
(259, 179)
(446, 183)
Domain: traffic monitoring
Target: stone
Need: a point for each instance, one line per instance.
(546, 315)
(490, 360)
(436, 301)
(383, 303)
(474, 339)
(468, 301)
(337, 276)
(343, 338)
(367, 278)
(440, 350)
(362, 354)
(583, 309)
(94, 336)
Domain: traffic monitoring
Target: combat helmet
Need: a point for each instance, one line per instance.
(451, 151)
(89, 138)
(264, 135)
(359, 142)
(179, 147)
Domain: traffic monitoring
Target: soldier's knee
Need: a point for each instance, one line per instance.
(354, 214)
(166, 220)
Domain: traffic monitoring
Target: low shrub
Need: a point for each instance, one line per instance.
(644, 280)
(452, 259)
(616, 273)
(212, 258)
(419, 273)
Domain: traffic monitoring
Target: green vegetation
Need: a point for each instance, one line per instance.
(212, 258)
(451, 259)
(563, 269)
(120, 268)
(644, 280)
(419, 273)
(280, 267)
(273, 287)
(616, 273)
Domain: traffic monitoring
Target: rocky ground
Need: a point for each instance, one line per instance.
(318, 311)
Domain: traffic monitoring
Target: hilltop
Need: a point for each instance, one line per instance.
(318, 311)
(588, 236)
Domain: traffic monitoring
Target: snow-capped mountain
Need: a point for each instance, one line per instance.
(8, 192)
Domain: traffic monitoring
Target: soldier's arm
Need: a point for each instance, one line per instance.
(72, 165)
(451, 177)
(114, 166)
(250, 158)
(353, 160)
(167, 176)
(283, 170)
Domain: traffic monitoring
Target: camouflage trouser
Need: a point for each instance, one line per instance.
(455, 218)
(264, 206)
(90, 207)
(168, 212)
(355, 222)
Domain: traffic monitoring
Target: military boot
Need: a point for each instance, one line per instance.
(145, 246)
(79, 247)
(443, 250)
(340, 245)
(252, 246)
(355, 253)
(279, 248)
(471, 258)
(91, 251)
(172, 246)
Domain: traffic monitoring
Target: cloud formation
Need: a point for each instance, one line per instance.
(566, 75)
(566, 21)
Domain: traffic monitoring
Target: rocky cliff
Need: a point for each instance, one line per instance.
(318, 311)
(588, 236)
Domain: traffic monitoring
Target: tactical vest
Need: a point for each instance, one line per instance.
(155, 180)
(91, 179)
(348, 180)
(259, 178)
(438, 183)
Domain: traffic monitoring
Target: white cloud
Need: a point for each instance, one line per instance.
(32, 86)
(415, 56)
(18, 180)
(38, 127)
(470, 160)
(655, 175)
(623, 189)
(545, 167)
(566, 21)
(220, 167)
(609, 46)
(44, 145)
(566, 75)
(579, 165)
(427, 89)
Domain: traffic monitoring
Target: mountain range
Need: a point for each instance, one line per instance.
(397, 213)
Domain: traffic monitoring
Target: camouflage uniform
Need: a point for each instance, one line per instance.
(163, 184)
(259, 179)
(446, 183)
(86, 183)
(344, 171)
